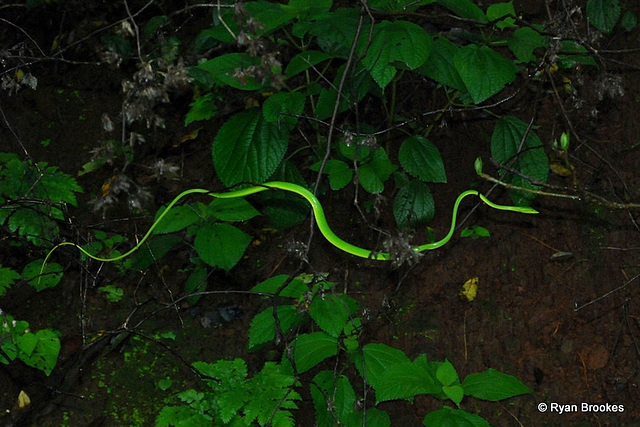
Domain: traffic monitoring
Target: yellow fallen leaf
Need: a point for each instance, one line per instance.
(23, 400)
(469, 289)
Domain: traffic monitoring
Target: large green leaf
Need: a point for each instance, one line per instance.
(303, 61)
(50, 277)
(231, 210)
(40, 350)
(378, 358)
(531, 160)
(228, 69)
(464, 9)
(311, 349)
(395, 44)
(413, 205)
(524, 41)
(493, 385)
(335, 31)
(421, 158)
(178, 218)
(440, 66)
(248, 148)
(221, 245)
(603, 14)
(484, 71)
(7, 278)
(407, 379)
(280, 108)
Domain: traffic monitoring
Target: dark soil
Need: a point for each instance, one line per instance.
(558, 304)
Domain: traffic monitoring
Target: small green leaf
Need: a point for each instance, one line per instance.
(165, 383)
(340, 174)
(331, 313)
(375, 173)
(196, 282)
(221, 245)
(493, 385)
(413, 205)
(40, 350)
(248, 149)
(311, 349)
(421, 158)
(295, 289)
(603, 14)
(263, 325)
(454, 392)
(202, 108)
(629, 21)
(405, 380)
(447, 374)
(49, 278)
(7, 278)
(279, 108)
(484, 71)
(499, 10)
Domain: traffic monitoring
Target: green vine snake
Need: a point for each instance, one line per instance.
(318, 213)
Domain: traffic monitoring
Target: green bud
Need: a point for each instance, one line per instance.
(564, 141)
(478, 165)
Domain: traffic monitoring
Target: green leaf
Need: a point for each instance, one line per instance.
(524, 41)
(493, 385)
(301, 8)
(421, 158)
(263, 325)
(326, 384)
(397, 6)
(395, 44)
(454, 417)
(440, 66)
(531, 161)
(279, 107)
(221, 245)
(629, 21)
(378, 358)
(331, 313)
(154, 24)
(305, 60)
(196, 282)
(447, 374)
(178, 218)
(247, 148)
(295, 289)
(335, 31)
(7, 278)
(228, 69)
(40, 350)
(375, 173)
(407, 379)
(359, 83)
(151, 252)
(49, 278)
(499, 10)
(202, 108)
(484, 71)
(464, 9)
(232, 210)
(339, 172)
(454, 392)
(603, 14)
(413, 205)
(311, 349)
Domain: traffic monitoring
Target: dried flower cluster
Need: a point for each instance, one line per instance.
(149, 87)
(248, 38)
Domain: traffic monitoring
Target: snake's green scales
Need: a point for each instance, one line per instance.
(318, 213)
